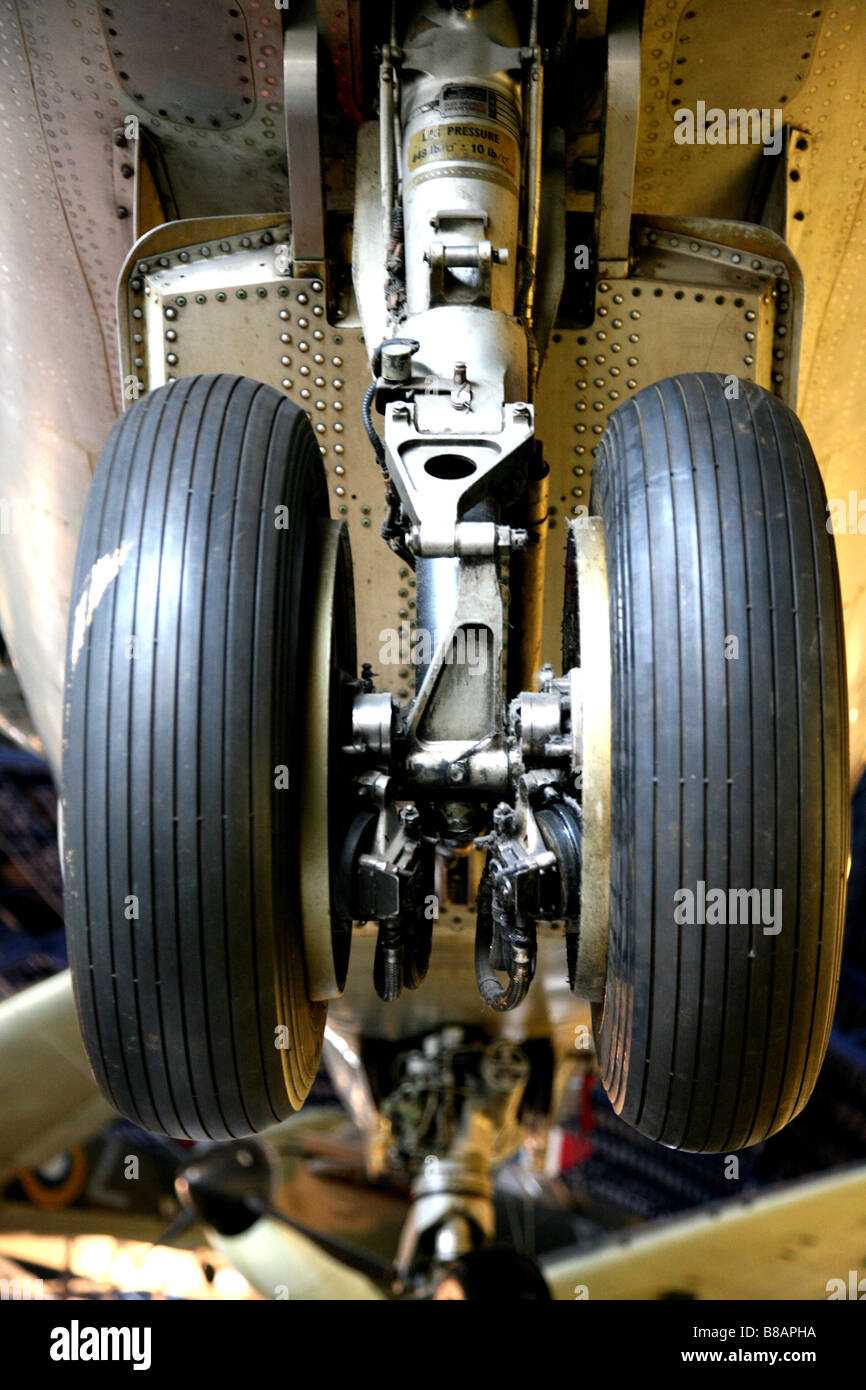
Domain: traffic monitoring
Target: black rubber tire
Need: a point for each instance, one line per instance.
(733, 772)
(170, 758)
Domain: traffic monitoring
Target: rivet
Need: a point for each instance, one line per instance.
(598, 405)
(756, 265)
(604, 287)
(285, 337)
(339, 470)
(336, 361)
(171, 335)
(714, 251)
(598, 429)
(285, 361)
(317, 286)
(319, 381)
(303, 323)
(171, 359)
(303, 347)
(317, 357)
(320, 405)
(201, 299)
(204, 251)
(616, 347)
(139, 362)
(225, 246)
(180, 300)
(283, 291)
(304, 369)
(305, 395)
(240, 294)
(601, 336)
(320, 428)
(748, 361)
(338, 427)
(287, 384)
(262, 292)
(634, 337)
(317, 309)
(338, 449)
(135, 285)
(139, 313)
(169, 313)
(337, 384)
(338, 405)
(736, 258)
(163, 261)
(221, 296)
(138, 337)
(303, 299)
(631, 384)
(340, 491)
(318, 335)
(245, 242)
(184, 256)
(750, 315)
(635, 314)
(617, 299)
(632, 361)
(284, 313)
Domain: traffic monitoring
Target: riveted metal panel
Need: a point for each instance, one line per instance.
(696, 303)
(150, 47)
(219, 303)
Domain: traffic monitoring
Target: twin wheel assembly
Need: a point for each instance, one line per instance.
(236, 794)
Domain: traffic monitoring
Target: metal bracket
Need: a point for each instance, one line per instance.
(618, 147)
(300, 101)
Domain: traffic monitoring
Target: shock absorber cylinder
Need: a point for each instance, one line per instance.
(461, 156)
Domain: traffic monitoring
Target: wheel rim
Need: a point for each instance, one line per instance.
(326, 938)
(592, 681)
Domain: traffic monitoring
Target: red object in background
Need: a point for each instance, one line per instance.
(573, 1150)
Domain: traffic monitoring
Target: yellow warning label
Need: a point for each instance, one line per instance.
(437, 144)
